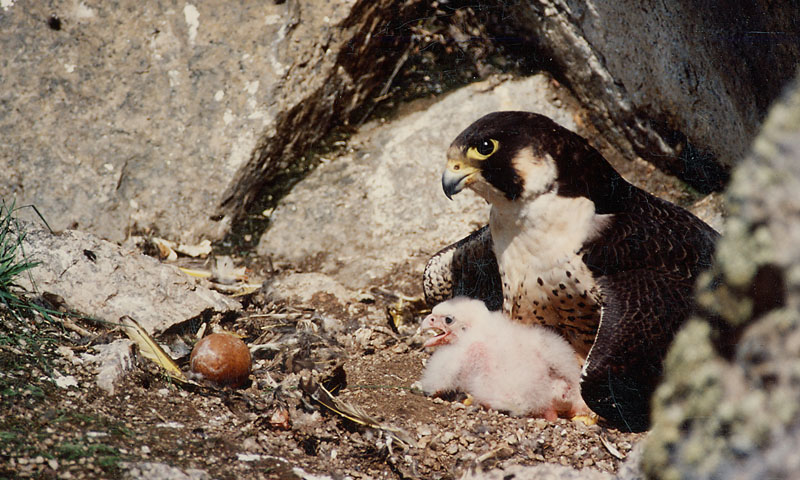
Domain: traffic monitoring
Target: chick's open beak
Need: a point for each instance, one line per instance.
(437, 325)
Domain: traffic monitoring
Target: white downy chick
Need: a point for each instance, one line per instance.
(522, 369)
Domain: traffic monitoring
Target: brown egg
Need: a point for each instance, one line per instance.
(221, 358)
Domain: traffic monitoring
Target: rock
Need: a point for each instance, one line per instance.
(359, 217)
(630, 468)
(544, 471)
(147, 470)
(300, 289)
(728, 405)
(683, 84)
(112, 361)
(99, 279)
(711, 209)
(170, 117)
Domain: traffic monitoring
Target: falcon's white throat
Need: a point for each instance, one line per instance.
(547, 232)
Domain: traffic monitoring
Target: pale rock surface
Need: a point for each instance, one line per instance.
(300, 288)
(97, 278)
(111, 362)
(172, 117)
(162, 471)
(544, 471)
(168, 117)
(140, 113)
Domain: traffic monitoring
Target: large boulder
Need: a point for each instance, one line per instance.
(169, 116)
(683, 84)
(728, 406)
(82, 273)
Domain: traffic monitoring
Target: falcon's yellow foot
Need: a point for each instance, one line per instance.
(402, 311)
(469, 400)
(588, 419)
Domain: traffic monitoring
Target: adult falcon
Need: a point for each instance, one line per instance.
(574, 246)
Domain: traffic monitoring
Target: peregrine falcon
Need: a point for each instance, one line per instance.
(573, 246)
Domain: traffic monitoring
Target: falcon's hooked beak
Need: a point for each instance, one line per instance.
(459, 173)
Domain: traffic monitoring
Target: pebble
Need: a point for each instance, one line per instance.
(483, 429)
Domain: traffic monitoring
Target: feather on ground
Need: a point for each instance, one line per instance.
(521, 369)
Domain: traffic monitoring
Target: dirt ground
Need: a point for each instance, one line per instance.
(57, 422)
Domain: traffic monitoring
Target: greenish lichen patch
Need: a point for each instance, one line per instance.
(716, 416)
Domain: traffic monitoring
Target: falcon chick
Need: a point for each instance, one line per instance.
(577, 248)
(524, 370)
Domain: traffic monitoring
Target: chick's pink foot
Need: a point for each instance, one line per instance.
(550, 414)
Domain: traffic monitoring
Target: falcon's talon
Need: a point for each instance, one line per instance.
(587, 420)
(403, 310)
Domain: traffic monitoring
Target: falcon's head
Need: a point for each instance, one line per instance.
(505, 156)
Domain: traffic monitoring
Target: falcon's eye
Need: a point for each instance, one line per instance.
(448, 319)
(484, 149)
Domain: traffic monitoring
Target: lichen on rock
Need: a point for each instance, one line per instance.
(728, 405)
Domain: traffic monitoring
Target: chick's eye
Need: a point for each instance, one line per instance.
(448, 320)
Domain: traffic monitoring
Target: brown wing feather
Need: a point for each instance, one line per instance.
(466, 268)
(637, 326)
(646, 266)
